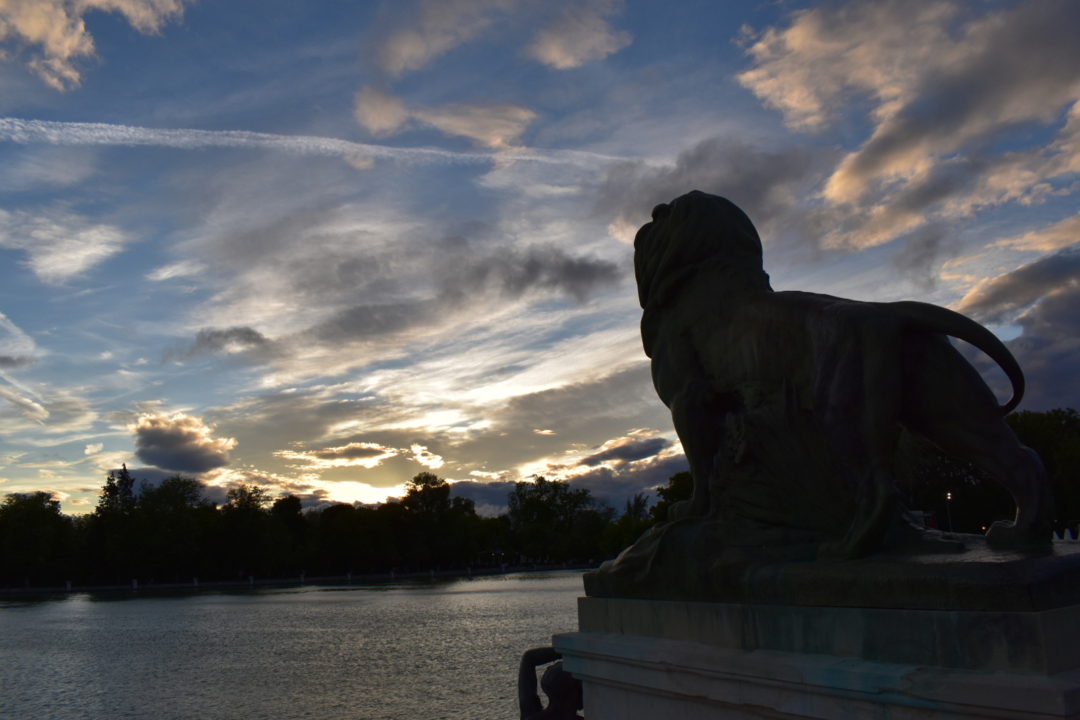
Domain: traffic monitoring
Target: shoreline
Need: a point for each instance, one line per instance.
(251, 583)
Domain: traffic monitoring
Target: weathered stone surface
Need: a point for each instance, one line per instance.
(1041, 642)
(635, 677)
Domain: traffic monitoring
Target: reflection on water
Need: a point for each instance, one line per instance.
(407, 652)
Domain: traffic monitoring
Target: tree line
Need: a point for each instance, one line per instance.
(170, 532)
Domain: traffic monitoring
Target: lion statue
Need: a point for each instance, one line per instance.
(789, 405)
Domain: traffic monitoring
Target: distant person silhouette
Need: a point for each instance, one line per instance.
(563, 691)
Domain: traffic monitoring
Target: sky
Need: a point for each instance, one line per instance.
(320, 247)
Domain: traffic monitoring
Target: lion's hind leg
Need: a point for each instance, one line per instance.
(965, 421)
(993, 448)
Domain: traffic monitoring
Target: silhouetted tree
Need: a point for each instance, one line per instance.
(550, 521)
(34, 539)
(245, 527)
(634, 521)
(679, 487)
(175, 524)
(288, 534)
(112, 543)
(444, 529)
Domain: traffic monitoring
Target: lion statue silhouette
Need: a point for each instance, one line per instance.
(789, 405)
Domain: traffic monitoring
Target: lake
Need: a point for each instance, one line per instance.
(401, 652)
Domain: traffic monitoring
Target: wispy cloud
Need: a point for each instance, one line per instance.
(16, 347)
(26, 406)
(581, 35)
(76, 133)
(1054, 237)
(435, 28)
(949, 95)
(57, 34)
(495, 126)
(356, 454)
(59, 246)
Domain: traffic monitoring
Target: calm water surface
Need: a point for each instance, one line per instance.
(406, 652)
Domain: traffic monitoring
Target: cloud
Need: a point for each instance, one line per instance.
(813, 66)
(437, 27)
(466, 281)
(425, 457)
(921, 255)
(27, 407)
(56, 31)
(17, 349)
(1047, 239)
(183, 268)
(496, 126)
(626, 449)
(75, 133)
(937, 82)
(38, 168)
(356, 454)
(1049, 348)
(179, 442)
(93, 448)
(1043, 298)
(59, 247)
(764, 182)
(212, 341)
(581, 35)
(380, 112)
(1002, 298)
(513, 272)
(615, 486)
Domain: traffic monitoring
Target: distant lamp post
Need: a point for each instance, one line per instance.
(948, 509)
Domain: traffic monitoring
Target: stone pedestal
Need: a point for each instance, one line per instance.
(1007, 646)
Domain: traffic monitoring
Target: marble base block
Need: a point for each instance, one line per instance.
(690, 660)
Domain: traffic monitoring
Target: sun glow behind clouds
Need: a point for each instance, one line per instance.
(458, 294)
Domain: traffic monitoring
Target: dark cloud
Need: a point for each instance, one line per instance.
(352, 451)
(15, 361)
(615, 486)
(1049, 350)
(360, 321)
(627, 450)
(921, 255)
(999, 299)
(762, 182)
(180, 442)
(1043, 297)
(513, 272)
(462, 280)
(209, 341)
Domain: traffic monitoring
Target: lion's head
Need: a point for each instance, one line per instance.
(691, 233)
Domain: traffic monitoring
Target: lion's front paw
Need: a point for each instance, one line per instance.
(1005, 535)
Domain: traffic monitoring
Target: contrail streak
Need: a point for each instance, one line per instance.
(27, 132)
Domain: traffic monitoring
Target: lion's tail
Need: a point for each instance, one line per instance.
(947, 322)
